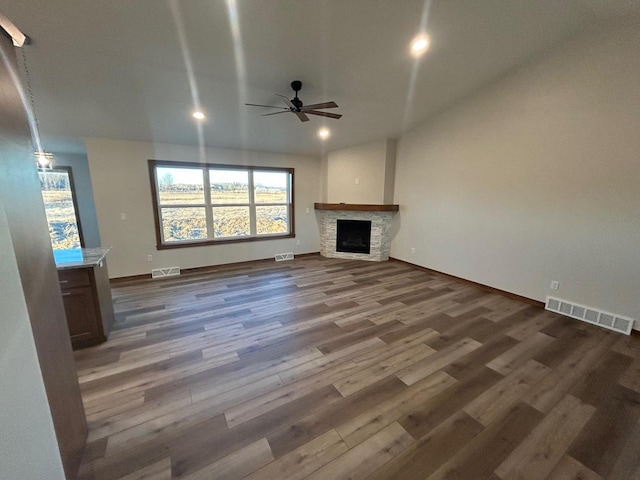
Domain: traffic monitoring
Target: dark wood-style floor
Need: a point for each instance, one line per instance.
(333, 369)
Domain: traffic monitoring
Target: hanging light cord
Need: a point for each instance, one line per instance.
(43, 159)
(30, 90)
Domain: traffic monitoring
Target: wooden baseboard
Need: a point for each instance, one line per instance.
(208, 268)
(475, 284)
(130, 278)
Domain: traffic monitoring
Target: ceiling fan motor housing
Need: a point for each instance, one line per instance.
(297, 85)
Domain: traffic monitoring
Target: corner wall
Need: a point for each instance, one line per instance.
(360, 174)
(121, 184)
(535, 178)
(28, 445)
(29, 280)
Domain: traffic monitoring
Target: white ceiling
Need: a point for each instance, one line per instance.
(116, 68)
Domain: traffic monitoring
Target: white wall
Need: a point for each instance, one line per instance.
(367, 163)
(390, 171)
(535, 178)
(28, 445)
(120, 178)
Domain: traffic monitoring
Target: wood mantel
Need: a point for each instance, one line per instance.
(356, 207)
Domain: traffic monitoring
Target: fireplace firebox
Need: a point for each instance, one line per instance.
(353, 236)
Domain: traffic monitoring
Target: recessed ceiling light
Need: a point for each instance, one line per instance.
(198, 115)
(324, 133)
(420, 45)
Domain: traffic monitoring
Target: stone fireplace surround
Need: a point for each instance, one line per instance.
(380, 216)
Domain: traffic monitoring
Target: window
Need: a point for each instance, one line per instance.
(61, 208)
(196, 204)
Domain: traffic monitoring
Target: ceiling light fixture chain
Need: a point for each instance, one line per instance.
(43, 159)
(30, 88)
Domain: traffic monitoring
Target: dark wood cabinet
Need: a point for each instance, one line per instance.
(87, 302)
(81, 315)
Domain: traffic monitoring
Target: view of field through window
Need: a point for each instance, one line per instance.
(58, 203)
(181, 195)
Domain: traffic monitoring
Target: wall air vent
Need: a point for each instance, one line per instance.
(281, 257)
(594, 316)
(165, 272)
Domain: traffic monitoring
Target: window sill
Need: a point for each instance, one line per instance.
(168, 246)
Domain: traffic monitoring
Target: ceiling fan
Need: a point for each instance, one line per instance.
(296, 106)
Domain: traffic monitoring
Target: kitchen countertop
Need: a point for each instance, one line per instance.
(79, 257)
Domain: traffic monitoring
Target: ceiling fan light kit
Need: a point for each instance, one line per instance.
(297, 107)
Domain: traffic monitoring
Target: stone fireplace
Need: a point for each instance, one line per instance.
(345, 230)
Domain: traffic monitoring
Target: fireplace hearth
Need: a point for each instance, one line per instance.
(353, 236)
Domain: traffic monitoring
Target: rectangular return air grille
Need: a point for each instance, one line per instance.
(281, 257)
(165, 272)
(590, 315)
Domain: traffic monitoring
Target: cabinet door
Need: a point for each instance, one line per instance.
(81, 314)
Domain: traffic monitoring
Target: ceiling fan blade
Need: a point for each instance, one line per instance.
(287, 101)
(265, 106)
(323, 114)
(316, 106)
(276, 113)
(302, 116)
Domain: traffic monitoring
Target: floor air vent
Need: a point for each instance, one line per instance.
(165, 272)
(590, 315)
(281, 257)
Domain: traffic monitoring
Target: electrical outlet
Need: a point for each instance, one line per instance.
(555, 285)
(123, 216)
(149, 258)
(307, 210)
(357, 181)
(413, 249)
(297, 242)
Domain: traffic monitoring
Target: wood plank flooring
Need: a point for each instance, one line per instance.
(331, 369)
